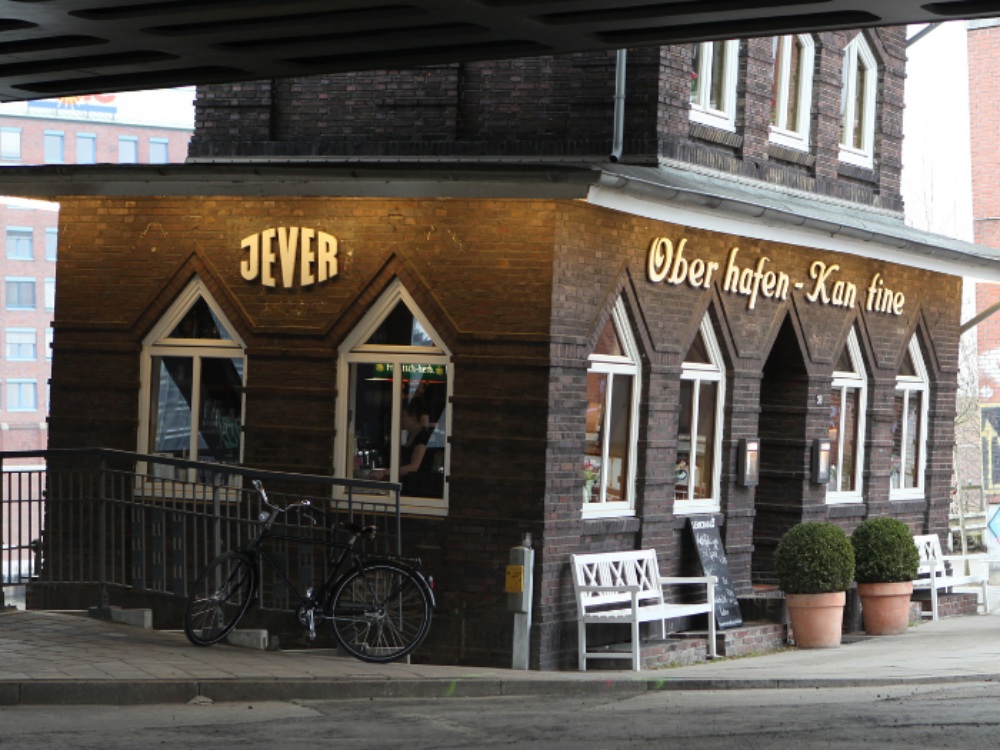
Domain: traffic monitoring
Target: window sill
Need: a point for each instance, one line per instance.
(693, 508)
(715, 132)
(845, 499)
(782, 152)
(857, 158)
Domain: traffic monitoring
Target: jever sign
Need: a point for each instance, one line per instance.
(293, 252)
(667, 264)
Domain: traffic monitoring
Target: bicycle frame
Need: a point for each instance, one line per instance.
(314, 605)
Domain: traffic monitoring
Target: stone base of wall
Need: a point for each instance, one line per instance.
(751, 639)
(949, 605)
(683, 649)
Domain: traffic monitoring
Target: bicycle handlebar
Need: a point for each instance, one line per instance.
(259, 486)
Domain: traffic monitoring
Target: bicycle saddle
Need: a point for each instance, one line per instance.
(365, 531)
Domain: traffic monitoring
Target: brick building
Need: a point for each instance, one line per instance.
(984, 53)
(84, 130)
(594, 340)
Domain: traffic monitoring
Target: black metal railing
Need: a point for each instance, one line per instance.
(116, 521)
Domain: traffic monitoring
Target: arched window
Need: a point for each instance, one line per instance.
(857, 104)
(612, 419)
(909, 426)
(395, 385)
(846, 424)
(699, 428)
(714, 68)
(192, 375)
(791, 94)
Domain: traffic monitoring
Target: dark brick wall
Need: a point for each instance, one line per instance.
(564, 107)
(521, 311)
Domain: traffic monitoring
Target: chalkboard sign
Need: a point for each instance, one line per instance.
(714, 563)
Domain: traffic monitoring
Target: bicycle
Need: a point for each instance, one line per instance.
(380, 607)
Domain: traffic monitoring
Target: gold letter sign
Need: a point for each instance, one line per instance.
(667, 264)
(275, 254)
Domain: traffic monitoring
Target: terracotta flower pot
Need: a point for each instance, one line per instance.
(885, 607)
(817, 619)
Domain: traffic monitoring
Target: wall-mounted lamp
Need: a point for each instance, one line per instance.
(748, 462)
(821, 461)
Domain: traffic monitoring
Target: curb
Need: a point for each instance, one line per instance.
(146, 692)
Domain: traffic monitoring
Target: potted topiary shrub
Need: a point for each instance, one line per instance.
(814, 562)
(886, 562)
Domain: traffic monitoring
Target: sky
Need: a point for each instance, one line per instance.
(937, 178)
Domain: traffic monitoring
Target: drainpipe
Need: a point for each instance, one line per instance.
(619, 121)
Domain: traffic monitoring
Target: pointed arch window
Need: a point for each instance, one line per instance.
(699, 429)
(909, 426)
(714, 69)
(857, 104)
(393, 422)
(846, 424)
(791, 94)
(612, 431)
(192, 372)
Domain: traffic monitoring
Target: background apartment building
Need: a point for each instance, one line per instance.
(130, 128)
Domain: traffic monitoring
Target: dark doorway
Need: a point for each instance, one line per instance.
(784, 393)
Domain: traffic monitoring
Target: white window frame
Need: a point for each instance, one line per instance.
(91, 140)
(18, 382)
(20, 280)
(19, 332)
(920, 383)
(701, 111)
(10, 144)
(715, 373)
(858, 53)
(50, 294)
(154, 145)
(130, 142)
(623, 365)
(851, 381)
(159, 344)
(355, 350)
(15, 239)
(56, 141)
(796, 134)
(52, 244)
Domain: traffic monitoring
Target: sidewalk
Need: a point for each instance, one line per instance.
(61, 658)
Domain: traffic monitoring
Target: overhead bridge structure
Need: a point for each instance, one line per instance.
(53, 48)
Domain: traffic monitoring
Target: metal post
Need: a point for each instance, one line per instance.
(103, 608)
(520, 589)
(217, 513)
(4, 500)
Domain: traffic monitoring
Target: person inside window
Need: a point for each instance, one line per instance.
(413, 454)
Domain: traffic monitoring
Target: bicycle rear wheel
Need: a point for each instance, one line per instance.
(219, 598)
(381, 612)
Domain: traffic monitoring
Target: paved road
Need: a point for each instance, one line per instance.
(912, 717)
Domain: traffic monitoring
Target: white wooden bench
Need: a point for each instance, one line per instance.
(938, 571)
(626, 587)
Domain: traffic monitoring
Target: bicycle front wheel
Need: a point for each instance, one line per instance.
(219, 598)
(381, 612)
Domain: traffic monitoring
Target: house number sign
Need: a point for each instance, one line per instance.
(667, 264)
(284, 254)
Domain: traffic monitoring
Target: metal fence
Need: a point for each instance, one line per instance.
(113, 520)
